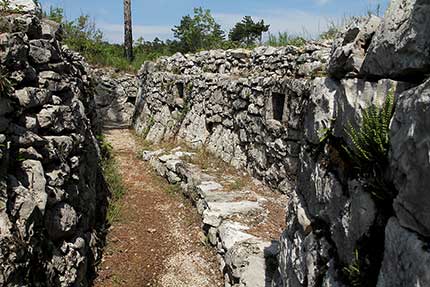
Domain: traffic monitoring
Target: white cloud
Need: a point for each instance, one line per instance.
(115, 32)
(296, 22)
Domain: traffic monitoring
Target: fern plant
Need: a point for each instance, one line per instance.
(353, 272)
(370, 142)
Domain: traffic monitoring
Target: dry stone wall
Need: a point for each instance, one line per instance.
(249, 115)
(53, 197)
(280, 113)
(115, 97)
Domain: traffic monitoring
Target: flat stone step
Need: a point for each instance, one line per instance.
(228, 216)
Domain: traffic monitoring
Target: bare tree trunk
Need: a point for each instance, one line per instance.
(128, 34)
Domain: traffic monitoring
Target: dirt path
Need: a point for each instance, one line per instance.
(157, 240)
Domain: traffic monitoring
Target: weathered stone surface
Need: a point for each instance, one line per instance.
(52, 81)
(353, 222)
(250, 263)
(409, 158)
(406, 258)
(26, 6)
(349, 49)
(42, 52)
(56, 118)
(61, 221)
(115, 96)
(321, 113)
(30, 97)
(401, 45)
(302, 259)
(51, 29)
(246, 259)
(53, 198)
(357, 96)
(231, 233)
(34, 180)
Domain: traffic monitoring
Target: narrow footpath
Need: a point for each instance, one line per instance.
(157, 239)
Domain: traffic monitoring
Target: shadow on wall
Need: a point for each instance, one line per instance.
(272, 273)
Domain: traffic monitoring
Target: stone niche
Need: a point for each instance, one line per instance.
(276, 106)
(180, 89)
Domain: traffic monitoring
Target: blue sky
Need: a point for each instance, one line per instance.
(155, 18)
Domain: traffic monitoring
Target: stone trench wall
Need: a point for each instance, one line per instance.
(53, 196)
(241, 105)
(115, 96)
(267, 111)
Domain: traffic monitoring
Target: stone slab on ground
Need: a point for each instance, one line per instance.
(232, 219)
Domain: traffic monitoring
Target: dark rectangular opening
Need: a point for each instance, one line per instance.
(131, 100)
(180, 88)
(278, 102)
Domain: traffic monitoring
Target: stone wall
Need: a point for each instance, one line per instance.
(280, 113)
(53, 196)
(248, 114)
(115, 96)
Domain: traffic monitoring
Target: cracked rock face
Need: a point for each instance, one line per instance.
(115, 97)
(26, 6)
(401, 45)
(349, 49)
(270, 111)
(52, 194)
(406, 258)
(410, 158)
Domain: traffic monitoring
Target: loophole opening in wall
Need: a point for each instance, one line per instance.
(180, 89)
(210, 127)
(278, 102)
(131, 100)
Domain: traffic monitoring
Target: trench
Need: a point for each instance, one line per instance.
(156, 239)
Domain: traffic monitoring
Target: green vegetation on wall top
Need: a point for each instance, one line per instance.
(194, 33)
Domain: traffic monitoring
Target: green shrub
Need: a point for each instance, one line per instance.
(285, 39)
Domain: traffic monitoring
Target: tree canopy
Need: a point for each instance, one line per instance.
(247, 32)
(198, 32)
(194, 33)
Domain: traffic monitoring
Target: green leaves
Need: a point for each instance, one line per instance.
(353, 272)
(247, 31)
(370, 142)
(198, 32)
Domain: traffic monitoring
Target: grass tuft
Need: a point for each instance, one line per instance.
(113, 179)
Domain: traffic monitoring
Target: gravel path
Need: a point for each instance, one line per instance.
(157, 240)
